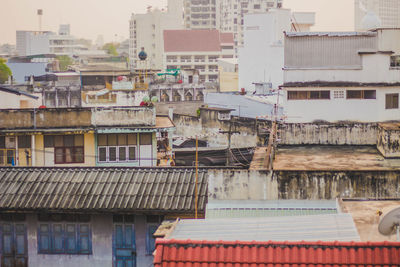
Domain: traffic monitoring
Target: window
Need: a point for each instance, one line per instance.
(24, 141)
(361, 94)
(117, 147)
(395, 61)
(309, 95)
(152, 223)
(145, 139)
(64, 234)
(67, 148)
(392, 101)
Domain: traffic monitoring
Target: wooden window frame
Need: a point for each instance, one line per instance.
(73, 152)
(362, 94)
(308, 94)
(391, 104)
(117, 154)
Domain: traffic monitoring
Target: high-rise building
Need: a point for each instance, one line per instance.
(230, 15)
(388, 11)
(200, 14)
(146, 31)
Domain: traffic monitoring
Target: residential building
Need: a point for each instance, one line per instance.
(261, 59)
(146, 31)
(197, 49)
(231, 15)
(112, 136)
(200, 14)
(387, 11)
(32, 42)
(205, 253)
(24, 67)
(358, 80)
(45, 42)
(91, 216)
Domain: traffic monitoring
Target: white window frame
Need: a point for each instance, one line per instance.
(117, 154)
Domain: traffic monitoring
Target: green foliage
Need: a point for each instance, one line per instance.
(64, 62)
(5, 71)
(111, 48)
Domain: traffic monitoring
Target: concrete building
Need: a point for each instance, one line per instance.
(262, 56)
(32, 42)
(45, 42)
(146, 31)
(231, 13)
(228, 74)
(12, 98)
(92, 217)
(350, 76)
(201, 14)
(388, 12)
(197, 49)
(86, 137)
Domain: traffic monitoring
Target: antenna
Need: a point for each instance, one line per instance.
(40, 13)
(391, 223)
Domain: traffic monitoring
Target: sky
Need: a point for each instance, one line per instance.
(91, 18)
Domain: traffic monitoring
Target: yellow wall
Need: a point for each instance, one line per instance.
(39, 150)
(90, 149)
(22, 160)
(228, 81)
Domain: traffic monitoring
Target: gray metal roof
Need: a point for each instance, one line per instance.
(102, 189)
(267, 208)
(331, 227)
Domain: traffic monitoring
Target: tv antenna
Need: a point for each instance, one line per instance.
(391, 223)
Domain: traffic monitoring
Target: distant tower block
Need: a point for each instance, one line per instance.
(40, 14)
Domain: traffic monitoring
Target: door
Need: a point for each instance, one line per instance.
(14, 244)
(124, 247)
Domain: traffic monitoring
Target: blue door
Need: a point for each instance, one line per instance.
(14, 245)
(124, 247)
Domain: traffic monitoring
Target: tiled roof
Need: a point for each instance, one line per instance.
(102, 189)
(327, 227)
(192, 40)
(227, 38)
(188, 253)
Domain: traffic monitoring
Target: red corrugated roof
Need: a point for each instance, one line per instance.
(192, 40)
(187, 253)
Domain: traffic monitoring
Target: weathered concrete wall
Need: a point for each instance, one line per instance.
(258, 185)
(186, 107)
(123, 116)
(76, 117)
(329, 133)
(241, 184)
(389, 142)
(101, 246)
(248, 132)
(102, 232)
(15, 119)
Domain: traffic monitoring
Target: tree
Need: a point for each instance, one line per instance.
(64, 62)
(111, 48)
(5, 71)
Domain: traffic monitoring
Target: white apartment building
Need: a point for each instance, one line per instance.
(146, 30)
(388, 12)
(197, 49)
(46, 42)
(342, 76)
(200, 14)
(230, 15)
(262, 56)
(32, 43)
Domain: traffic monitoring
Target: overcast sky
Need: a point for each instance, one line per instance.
(90, 18)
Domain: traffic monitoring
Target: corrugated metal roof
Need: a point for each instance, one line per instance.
(268, 208)
(102, 189)
(188, 253)
(332, 227)
(299, 34)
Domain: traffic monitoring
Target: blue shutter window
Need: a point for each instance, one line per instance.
(58, 238)
(70, 239)
(44, 238)
(84, 239)
(150, 240)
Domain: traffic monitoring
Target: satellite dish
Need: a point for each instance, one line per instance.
(390, 222)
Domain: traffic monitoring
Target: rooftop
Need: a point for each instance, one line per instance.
(167, 190)
(195, 40)
(331, 158)
(203, 253)
(330, 34)
(329, 227)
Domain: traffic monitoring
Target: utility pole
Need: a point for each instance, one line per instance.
(228, 151)
(197, 177)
